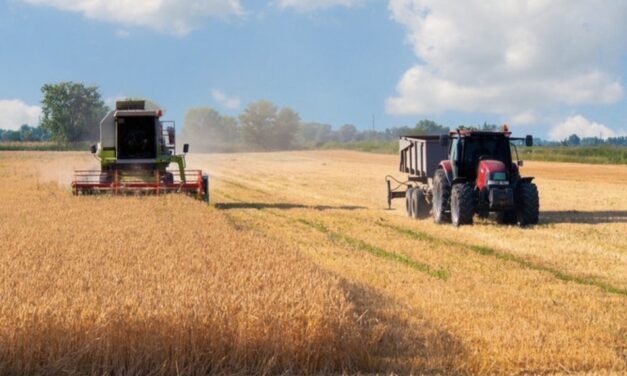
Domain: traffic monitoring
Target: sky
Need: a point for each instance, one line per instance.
(545, 67)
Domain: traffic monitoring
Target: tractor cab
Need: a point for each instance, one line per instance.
(470, 150)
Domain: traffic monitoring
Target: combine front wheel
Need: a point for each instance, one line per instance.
(205, 188)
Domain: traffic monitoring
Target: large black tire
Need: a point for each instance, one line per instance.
(205, 189)
(528, 204)
(167, 178)
(422, 208)
(462, 204)
(408, 207)
(441, 197)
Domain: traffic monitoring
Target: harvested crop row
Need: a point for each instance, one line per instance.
(502, 309)
(126, 285)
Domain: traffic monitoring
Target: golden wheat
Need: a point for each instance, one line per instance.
(124, 285)
(298, 267)
(481, 299)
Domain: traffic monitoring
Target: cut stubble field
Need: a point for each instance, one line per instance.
(298, 267)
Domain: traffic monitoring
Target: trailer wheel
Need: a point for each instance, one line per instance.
(441, 197)
(462, 204)
(528, 204)
(420, 207)
(408, 198)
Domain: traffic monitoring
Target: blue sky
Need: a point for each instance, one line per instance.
(333, 61)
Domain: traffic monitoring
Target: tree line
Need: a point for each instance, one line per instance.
(263, 126)
(71, 112)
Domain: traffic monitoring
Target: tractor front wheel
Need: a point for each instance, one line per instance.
(462, 204)
(441, 197)
(528, 204)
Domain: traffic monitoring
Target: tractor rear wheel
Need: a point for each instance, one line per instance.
(441, 197)
(408, 196)
(528, 204)
(419, 204)
(462, 204)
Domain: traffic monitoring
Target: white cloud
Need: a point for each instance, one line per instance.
(524, 118)
(509, 57)
(231, 103)
(170, 16)
(15, 113)
(312, 5)
(582, 127)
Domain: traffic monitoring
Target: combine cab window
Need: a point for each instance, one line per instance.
(136, 137)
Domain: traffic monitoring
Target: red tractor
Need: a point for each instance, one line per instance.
(465, 173)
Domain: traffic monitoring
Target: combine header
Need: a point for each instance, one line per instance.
(464, 173)
(135, 150)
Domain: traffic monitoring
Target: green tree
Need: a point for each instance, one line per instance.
(489, 127)
(347, 133)
(572, 140)
(257, 123)
(428, 127)
(285, 129)
(207, 130)
(10, 136)
(26, 133)
(72, 111)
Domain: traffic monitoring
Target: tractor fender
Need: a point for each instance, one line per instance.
(446, 166)
(521, 180)
(526, 179)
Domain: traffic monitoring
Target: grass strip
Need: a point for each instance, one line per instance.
(336, 237)
(505, 256)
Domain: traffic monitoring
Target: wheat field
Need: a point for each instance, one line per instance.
(297, 267)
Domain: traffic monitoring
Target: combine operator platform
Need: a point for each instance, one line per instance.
(135, 150)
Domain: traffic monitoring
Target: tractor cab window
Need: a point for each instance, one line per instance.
(476, 149)
(454, 153)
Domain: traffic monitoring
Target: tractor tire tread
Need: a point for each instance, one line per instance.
(462, 204)
(528, 204)
(441, 197)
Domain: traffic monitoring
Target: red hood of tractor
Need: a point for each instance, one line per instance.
(486, 168)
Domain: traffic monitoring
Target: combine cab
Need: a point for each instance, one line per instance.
(466, 173)
(135, 150)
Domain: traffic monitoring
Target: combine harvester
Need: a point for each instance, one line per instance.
(464, 173)
(135, 150)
